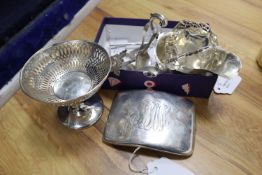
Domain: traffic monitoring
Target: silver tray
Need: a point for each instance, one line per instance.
(152, 119)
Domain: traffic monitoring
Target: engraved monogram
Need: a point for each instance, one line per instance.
(149, 115)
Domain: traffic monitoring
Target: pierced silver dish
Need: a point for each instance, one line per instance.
(68, 75)
(186, 37)
(213, 59)
(193, 47)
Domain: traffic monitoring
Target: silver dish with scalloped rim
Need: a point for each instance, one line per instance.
(193, 46)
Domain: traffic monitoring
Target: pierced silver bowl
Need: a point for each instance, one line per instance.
(66, 75)
(193, 47)
(186, 38)
(214, 59)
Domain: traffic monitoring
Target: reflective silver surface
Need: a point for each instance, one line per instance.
(84, 115)
(193, 46)
(67, 73)
(142, 57)
(156, 21)
(137, 58)
(55, 69)
(186, 37)
(152, 119)
(72, 85)
(214, 59)
(161, 18)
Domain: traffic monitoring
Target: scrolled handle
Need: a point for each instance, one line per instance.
(162, 19)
